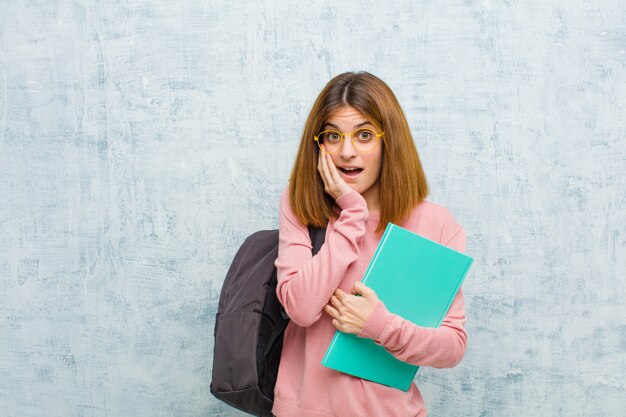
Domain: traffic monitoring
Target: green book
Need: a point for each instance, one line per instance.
(417, 279)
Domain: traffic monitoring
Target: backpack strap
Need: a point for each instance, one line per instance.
(318, 234)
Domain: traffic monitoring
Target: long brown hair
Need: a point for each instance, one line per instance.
(402, 180)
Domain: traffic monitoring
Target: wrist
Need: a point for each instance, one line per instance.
(350, 199)
(375, 324)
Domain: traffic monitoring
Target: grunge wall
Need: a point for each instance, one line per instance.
(140, 142)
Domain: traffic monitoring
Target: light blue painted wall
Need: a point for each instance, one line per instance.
(140, 142)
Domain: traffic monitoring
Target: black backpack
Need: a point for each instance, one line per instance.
(250, 324)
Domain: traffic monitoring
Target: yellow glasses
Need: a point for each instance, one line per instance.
(363, 139)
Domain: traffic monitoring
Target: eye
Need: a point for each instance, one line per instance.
(365, 135)
(331, 136)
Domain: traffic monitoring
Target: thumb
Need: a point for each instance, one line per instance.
(364, 290)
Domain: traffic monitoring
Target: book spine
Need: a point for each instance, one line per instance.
(378, 248)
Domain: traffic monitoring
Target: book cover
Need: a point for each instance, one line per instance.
(417, 279)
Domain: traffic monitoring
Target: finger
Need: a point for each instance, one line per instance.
(333, 171)
(335, 302)
(339, 293)
(319, 160)
(331, 312)
(336, 179)
(320, 166)
(325, 170)
(346, 301)
(368, 292)
(337, 325)
(358, 287)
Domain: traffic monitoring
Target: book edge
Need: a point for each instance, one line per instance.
(456, 290)
(329, 349)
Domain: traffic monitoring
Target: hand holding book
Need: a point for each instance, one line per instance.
(350, 312)
(417, 279)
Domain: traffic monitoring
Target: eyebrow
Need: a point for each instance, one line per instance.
(355, 126)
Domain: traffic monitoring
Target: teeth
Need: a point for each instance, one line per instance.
(350, 169)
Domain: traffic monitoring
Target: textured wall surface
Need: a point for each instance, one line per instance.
(140, 142)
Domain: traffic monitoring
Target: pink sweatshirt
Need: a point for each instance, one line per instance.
(304, 387)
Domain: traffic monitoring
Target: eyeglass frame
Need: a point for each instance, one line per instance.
(343, 136)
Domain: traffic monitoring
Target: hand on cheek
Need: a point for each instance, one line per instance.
(334, 185)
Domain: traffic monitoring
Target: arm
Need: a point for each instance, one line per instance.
(441, 347)
(306, 282)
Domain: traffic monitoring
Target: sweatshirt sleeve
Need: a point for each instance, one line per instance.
(306, 282)
(441, 347)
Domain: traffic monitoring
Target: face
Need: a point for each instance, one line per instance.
(366, 181)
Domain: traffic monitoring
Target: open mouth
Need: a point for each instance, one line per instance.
(351, 173)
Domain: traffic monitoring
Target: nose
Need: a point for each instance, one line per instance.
(347, 148)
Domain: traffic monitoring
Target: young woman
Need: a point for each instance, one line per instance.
(356, 170)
